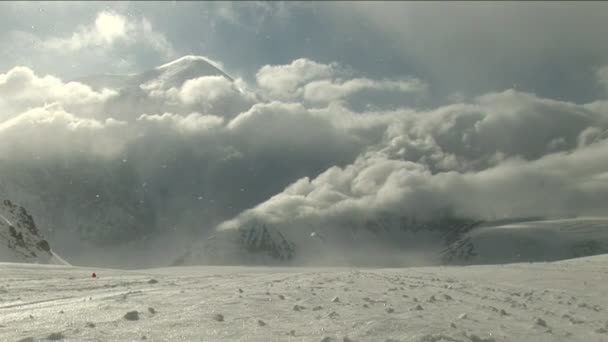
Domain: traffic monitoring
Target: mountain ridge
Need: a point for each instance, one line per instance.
(20, 239)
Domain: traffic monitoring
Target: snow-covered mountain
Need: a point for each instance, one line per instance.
(20, 240)
(387, 240)
(175, 73)
(172, 74)
(257, 243)
(529, 241)
(165, 89)
(399, 241)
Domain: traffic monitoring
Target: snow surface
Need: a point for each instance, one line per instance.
(556, 301)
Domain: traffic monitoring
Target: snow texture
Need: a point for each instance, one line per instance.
(555, 301)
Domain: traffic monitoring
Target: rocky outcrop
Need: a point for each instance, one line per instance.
(20, 239)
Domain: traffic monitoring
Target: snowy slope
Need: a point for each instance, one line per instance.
(255, 244)
(558, 301)
(388, 241)
(382, 243)
(20, 240)
(540, 240)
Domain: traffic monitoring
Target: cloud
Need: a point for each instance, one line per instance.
(109, 29)
(193, 123)
(109, 26)
(328, 91)
(508, 154)
(21, 84)
(284, 81)
(189, 150)
(51, 132)
(317, 84)
(210, 94)
(21, 88)
(558, 184)
(473, 136)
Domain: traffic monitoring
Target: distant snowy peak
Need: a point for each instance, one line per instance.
(176, 73)
(172, 74)
(188, 61)
(530, 241)
(20, 240)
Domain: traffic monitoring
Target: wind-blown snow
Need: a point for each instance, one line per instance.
(557, 301)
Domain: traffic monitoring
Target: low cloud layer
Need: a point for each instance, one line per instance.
(505, 155)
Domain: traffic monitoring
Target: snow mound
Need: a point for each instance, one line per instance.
(530, 241)
(20, 240)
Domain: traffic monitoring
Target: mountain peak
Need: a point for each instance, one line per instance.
(188, 60)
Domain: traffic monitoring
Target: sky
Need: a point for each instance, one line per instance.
(335, 113)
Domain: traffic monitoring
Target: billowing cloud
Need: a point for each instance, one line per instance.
(508, 154)
(315, 83)
(555, 185)
(110, 28)
(284, 81)
(21, 88)
(51, 132)
(183, 149)
(192, 123)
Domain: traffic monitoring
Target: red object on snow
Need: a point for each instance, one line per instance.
(94, 275)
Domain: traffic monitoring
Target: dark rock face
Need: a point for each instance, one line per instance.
(459, 252)
(44, 245)
(262, 239)
(23, 239)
